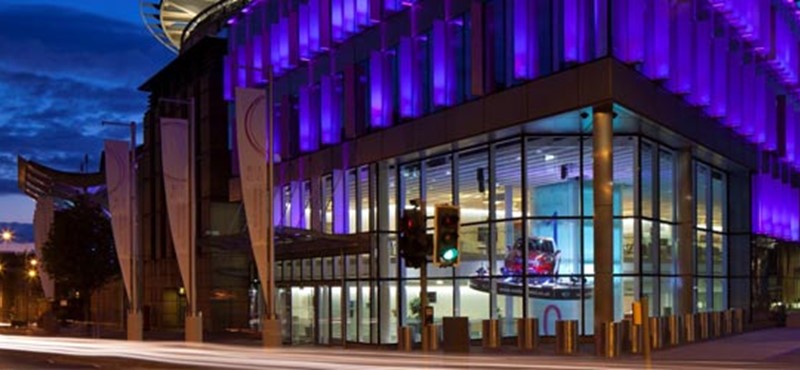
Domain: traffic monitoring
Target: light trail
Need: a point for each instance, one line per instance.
(241, 357)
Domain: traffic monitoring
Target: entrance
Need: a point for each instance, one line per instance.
(303, 318)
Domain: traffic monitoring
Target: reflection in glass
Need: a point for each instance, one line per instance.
(352, 199)
(508, 180)
(623, 153)
(327, 204)
(666, 177)
(473, 186)
(702, 183)
(647, 178)
(553, 176)
(438, 184)
(718, 192)
(668, 248)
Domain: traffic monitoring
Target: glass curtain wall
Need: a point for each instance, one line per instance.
(527, 238)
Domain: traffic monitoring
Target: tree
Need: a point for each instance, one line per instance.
(79, 253)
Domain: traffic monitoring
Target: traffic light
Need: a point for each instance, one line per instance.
(413, 241)
(446, 249)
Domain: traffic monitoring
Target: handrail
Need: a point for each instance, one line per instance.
(220, 10)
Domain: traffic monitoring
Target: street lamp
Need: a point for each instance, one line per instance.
(6, 236)
(31, 277)
(134, 316)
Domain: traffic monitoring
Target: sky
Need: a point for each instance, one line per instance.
(66, 66)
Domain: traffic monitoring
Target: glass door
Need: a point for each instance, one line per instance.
(303, 317)
(336, 315)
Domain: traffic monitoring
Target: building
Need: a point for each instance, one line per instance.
(643, 147)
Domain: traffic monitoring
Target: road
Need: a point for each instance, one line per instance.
(766, 349)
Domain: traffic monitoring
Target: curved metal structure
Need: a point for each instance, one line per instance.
(167, 19)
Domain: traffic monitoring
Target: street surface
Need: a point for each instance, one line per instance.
(765, 349)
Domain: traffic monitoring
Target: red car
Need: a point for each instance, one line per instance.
(542, 260)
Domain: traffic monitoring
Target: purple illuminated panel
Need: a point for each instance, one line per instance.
(241, 67)
(440, 52)
(380, 91)
(775, 208)
(337, 20)
(309, 119)
(719, 76)
(325, 10)
(702, 72)
(258, 58)
(748, 99)
(628, 31)
(330, 107)
(284, 43)
(410, 90)
(227, 80)
(303, 42)
(786, 50)
(392, 5)
(297, 211)
(313, 26)
(657, 40)
(769, 128)
(790, 135)
(340, 209)
(680, 81)
(349, 17)
(362, 13)
(526, 48)
(275, 47)
(734, 100)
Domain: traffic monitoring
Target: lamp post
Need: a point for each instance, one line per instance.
(194, 323)
(31, 274)
(134, 320)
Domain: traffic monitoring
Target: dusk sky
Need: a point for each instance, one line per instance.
(65, 66)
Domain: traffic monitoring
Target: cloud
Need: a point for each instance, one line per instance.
(68, 71)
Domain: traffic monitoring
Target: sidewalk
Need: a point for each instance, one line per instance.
(766, 345)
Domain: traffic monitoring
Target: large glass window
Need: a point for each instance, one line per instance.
(553, 176)
(508, 180)
(327, 204)
(352, 200)
(473, 185)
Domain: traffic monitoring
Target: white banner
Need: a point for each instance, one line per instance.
(118, 183)
(251, 114)
(42, 220)
(175, 167)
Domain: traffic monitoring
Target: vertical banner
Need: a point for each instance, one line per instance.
(118, 183)
(175, 163)
(251, 129)
(42, 220)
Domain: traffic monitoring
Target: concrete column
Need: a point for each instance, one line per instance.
(685, 258)
(603, 194)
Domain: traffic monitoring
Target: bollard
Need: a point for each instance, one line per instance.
(738, 320)
(727, 322)
(625, 335)
(404, 339)
(701, 319)
(689, 328)
(430, 338)
(566, 337)
(608, 340)
(656, 333)
(673, 330)
(635, 335)
(716, 324)
(491, 333)
(527, 334)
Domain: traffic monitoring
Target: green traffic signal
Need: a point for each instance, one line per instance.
(450, 254)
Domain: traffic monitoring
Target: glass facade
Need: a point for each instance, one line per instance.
(529, 189)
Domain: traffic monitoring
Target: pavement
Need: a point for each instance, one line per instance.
(775, 348)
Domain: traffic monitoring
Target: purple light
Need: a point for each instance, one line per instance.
(791, 132)
(258, 57)
(275, 46)
(440, 52)
(409, 86)
(362, 13)
(309, 119)
(337, 20)
(284, 42)
(571, 29)
(330, 119)
(719, 77)
(349, 17)
(340, 208)
(680, 81)
(657, 40)
(325, 16)
(735, 71)
(629, 30)
(702, 73)
(313, 26)
(380, 91)
(526, 48)
(227, 81)
(303, 32)
(392, 5)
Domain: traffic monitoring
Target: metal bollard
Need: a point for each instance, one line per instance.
(491, 333)
(656, 333)
(430, 338)
(625, 335)
(727, 322)
(404, 339)
(738, 320)
(689, 328)
(527, 334)
(635, 334)
(566, 337)
(702, 325)
(608, 342)
(673, 330)
(716, 324)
